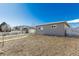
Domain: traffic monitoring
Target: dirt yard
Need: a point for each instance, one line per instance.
(39, 45)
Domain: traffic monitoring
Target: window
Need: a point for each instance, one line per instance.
(54, 26)
(41, 28)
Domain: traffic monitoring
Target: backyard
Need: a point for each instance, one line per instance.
(40, 45)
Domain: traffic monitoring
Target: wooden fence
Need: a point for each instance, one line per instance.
(5, 36)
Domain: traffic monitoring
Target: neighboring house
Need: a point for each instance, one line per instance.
(4, 27)
(57, 29)
(21, 28)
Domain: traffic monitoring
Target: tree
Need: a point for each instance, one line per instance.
(4, 27)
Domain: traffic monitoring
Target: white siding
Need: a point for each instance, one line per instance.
(48, 30)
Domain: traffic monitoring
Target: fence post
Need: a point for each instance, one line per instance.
(3, 39)
(3, 35)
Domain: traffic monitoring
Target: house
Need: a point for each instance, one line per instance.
(21, 28)
(57, 29)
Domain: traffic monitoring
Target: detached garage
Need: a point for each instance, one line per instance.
(57, 29)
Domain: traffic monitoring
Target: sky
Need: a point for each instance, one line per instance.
(32, 14)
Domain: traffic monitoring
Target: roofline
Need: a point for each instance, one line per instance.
(55, 23)
(67, 24)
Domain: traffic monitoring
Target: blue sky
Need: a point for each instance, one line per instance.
(33, 14)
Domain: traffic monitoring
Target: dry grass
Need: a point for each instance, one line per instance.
(39, 45)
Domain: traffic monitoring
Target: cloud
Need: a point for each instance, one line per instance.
(73, 21)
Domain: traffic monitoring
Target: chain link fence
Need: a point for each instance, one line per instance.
(72, 32)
